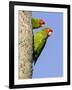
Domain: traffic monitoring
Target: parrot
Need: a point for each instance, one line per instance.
(40, 39)
(37, 23)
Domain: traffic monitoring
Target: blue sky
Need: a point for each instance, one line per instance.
(50, 62)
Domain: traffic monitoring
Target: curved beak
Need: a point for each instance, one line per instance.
(42, 23)
(49, 31)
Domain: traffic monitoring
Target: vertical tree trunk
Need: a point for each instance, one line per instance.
(25, 43)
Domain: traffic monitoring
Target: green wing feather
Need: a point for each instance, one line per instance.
(39, 43)
(38, 51)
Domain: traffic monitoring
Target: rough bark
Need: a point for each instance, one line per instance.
(25, 45)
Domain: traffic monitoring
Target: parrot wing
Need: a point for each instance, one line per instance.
(39, 42)
(38, 50)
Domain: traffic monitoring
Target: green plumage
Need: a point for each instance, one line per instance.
(39, 42)
(35, 23)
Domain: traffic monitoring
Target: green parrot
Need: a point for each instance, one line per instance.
(40, 39)
(37, 23)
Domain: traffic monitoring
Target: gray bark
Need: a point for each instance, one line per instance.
(25, 45)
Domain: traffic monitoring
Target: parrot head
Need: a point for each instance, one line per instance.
(49, 31)
(42, 23)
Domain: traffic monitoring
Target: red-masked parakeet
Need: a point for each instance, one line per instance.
(40, 39)
(37, 23)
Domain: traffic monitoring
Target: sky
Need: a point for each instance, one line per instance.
(50, 62)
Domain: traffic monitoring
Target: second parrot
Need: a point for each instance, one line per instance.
(37, 23)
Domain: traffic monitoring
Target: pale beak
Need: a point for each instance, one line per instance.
(42, 25)
(50, 33)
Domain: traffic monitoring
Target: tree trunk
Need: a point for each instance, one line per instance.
(25, 45)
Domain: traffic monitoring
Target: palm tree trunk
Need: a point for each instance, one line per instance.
(25, 45)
